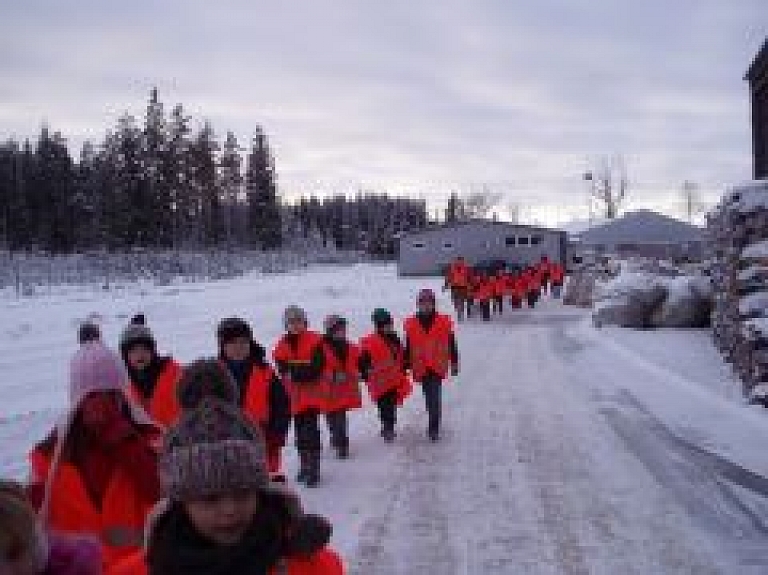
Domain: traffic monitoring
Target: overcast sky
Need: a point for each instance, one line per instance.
(411, 96)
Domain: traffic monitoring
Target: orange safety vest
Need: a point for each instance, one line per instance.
(557, 274)
(323, 562)
(386, 373)
(430, 350)
(118, 523)
(303, 395)
(256, 400)
(499, 286)
(458, 274)
(163, 407)
(342, 379)
(485, 289)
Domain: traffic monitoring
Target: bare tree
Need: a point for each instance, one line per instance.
(480, 204)
(514, 210)
(610, 185)
(692, 204)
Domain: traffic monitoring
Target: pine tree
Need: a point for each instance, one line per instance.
(53, 186)
(183, 208)
(264, 219)
(206, 185)
(230, 184)
(155, 154)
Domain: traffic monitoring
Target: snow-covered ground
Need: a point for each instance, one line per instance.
(566, 449)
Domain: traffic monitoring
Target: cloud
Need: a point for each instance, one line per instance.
(419, 97)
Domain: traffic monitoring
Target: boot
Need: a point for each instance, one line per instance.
(304, 464)
(313, 470)
(342, 449)
(388, 432)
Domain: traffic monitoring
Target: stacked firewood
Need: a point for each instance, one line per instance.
(738, 230)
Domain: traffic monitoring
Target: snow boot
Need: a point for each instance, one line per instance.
(313, 470)
(304, 464)
(433, 434)
(388, 432)
(342, 450)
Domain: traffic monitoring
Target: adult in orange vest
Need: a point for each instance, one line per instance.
(544, 269)
(533, 287)
(499, 282)
(343, 379)
(300, 361)
(431, 354)
(457, 278)
(153, 378)
(484, 293)
(261, 394)
(223, 515)
(382, 367)
(96, 473)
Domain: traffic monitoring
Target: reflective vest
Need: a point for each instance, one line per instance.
(304, 395)
(163, 406)
(323, 562)
(430, 350)
(118, 523)
(256, 400)
(499, 286)
(386, 373)
(486, 288)
(342, 379)
(557, 274)
(458, 274)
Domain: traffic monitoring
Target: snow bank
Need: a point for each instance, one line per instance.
(756, 251)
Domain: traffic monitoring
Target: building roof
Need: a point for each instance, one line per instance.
(642, 227)
(759, 66)
(480, 222)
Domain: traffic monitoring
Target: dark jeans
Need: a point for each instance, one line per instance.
(388, 408)
(337, 425)
(307, 431)
(498, 304)
(432, 389)
(485, 307)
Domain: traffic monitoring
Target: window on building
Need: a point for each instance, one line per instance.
(418, 245)
(535, 240)
(523, 241)
(447, 246)
(510, 241)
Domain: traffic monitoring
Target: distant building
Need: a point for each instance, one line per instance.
(757, 76)
(642, 234)
(481, 243)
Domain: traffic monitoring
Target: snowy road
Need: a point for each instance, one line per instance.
(566, 450)
(549, 467)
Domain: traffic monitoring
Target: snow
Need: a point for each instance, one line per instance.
(756, 251)
(754, 303)
(746, 197)
(566, 449)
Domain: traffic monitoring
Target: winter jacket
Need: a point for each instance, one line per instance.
(382, 366)
(300, 360)
(155, 390)
(557, 274)
(430, 345)
(458, 275)
(127, 489)
(341, 374)
(279, 542)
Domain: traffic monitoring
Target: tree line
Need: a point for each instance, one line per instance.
(161, 184)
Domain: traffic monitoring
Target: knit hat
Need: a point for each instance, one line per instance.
(95, 367)
(204, 378)
(136, 333)
(334, 321)
(88, 331)
(22, 541)
(381, 317)
(231, 328)
(213, 450)
(294, 313)
(426, 294)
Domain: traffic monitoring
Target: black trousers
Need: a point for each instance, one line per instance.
(307, 431)
(498, 304)
(387, 404)
(432, 388)
(485, 307)
(337, 425)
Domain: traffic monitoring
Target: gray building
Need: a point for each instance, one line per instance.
(643, 233)
(480, 242)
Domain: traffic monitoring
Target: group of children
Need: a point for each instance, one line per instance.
(177, 469)
(471, 288)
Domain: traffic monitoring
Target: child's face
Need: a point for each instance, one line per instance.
(224, 519)
(138, 357)
(237, 349)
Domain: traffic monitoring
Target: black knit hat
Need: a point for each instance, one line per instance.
(231, 328)
(137, 333)
(381, 317)
(205, 378)
(88, 331)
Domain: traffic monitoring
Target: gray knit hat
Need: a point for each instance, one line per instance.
(213, 450)
(294, 313)
(136, 333)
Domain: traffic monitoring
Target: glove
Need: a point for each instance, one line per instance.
(311, 533)
(454, 370)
